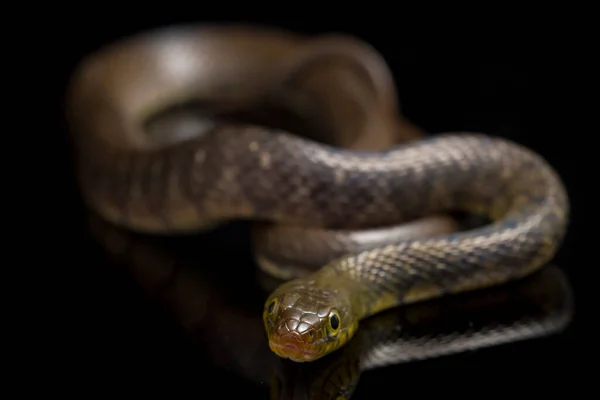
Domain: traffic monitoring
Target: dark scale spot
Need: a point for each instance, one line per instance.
(439, 276)
(409, 194)
(265, 184)
(351, 204)
(271, 306)
(334, 321)
(322, 190)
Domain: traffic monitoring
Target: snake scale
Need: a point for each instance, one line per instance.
(148, 163)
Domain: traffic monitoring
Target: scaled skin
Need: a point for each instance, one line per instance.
(306, 321)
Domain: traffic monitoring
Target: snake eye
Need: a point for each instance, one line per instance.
(273, 306)
(334, 323)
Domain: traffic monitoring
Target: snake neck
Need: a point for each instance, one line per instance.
(361, 298)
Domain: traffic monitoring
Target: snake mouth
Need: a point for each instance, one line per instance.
(294, 350)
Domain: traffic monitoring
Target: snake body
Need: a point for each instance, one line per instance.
(537, 306)
(215, 170)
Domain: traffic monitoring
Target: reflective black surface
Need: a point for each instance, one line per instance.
(122, 334)
(219, 319)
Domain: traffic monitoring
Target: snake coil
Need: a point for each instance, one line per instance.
(174, 132)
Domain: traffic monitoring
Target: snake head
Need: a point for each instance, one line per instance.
(304, 322)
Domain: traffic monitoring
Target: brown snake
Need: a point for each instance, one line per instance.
(161, 148)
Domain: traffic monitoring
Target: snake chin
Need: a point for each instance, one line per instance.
(293, 351)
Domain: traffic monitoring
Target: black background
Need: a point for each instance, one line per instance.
(500, 84)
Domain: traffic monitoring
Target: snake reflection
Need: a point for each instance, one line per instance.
(537, 306)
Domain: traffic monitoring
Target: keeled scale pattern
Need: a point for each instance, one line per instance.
(246, 172)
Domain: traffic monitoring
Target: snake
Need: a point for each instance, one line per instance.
(184, 128)
(205, 306)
